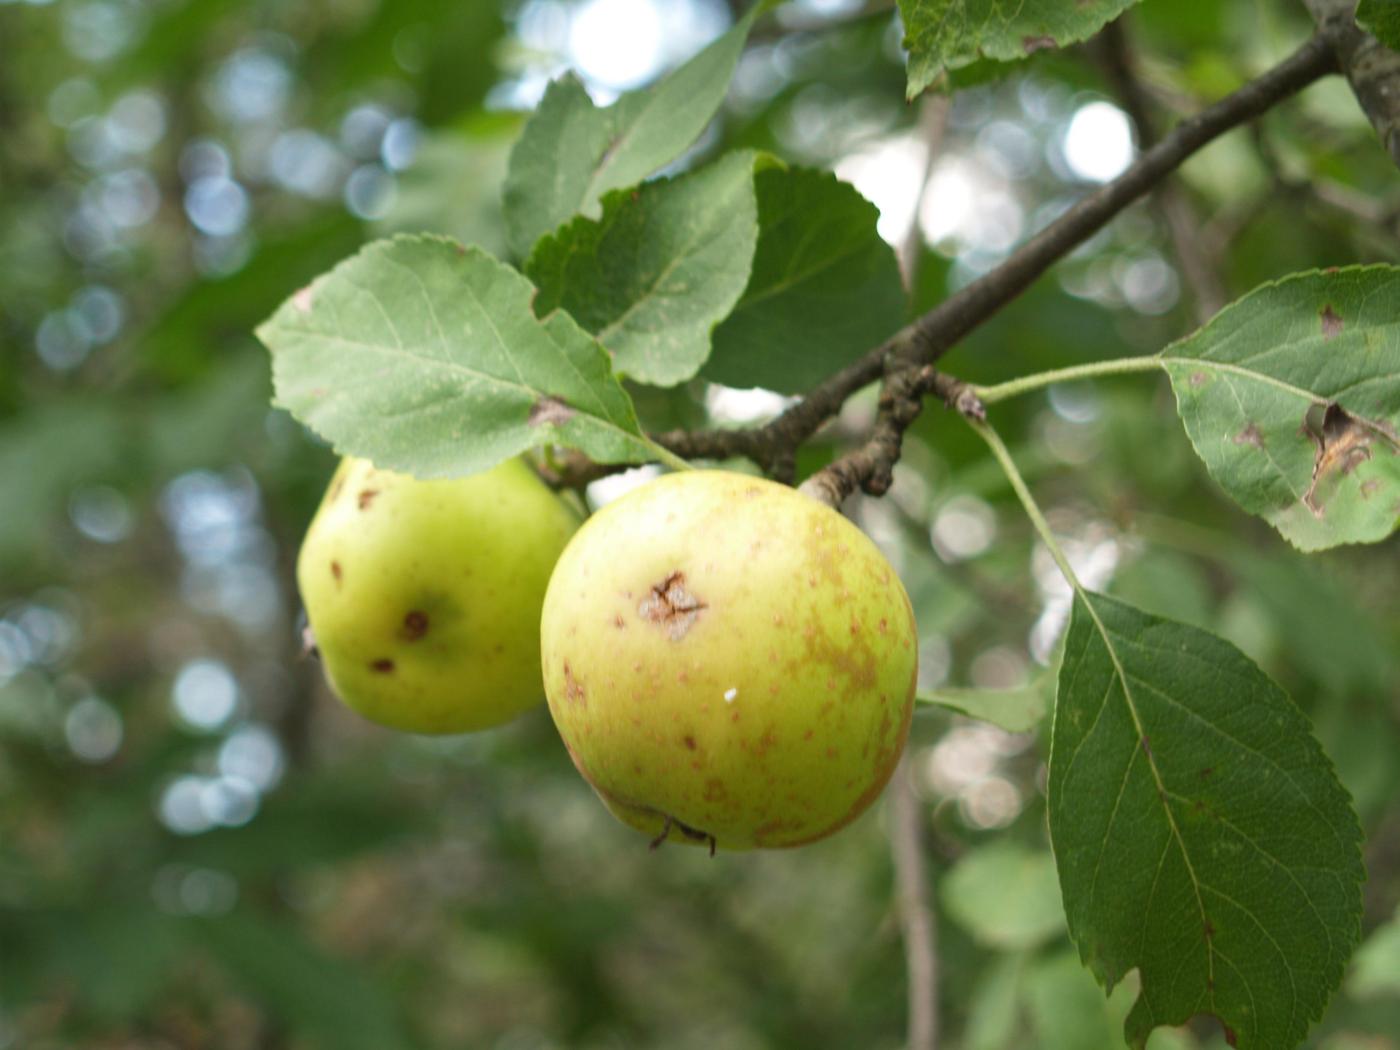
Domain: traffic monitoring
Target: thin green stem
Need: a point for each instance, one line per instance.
(669, 458)
(1118, 366)
(1018, 484)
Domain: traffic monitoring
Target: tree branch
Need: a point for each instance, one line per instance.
(931, 336)
(915, 910)
(871, 467)
(1371, 67)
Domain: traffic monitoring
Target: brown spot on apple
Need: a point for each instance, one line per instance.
(671, 605)
(415, 625)
(573, 688)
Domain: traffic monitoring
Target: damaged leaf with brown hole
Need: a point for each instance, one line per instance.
(1291, 396)
(729, 662)
(424, 596)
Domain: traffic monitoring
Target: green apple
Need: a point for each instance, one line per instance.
(728, 661)
(424, 596)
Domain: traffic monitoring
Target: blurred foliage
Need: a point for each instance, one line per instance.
(200, 848)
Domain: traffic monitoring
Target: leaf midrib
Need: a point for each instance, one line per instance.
(454, 365)
(1140, 730)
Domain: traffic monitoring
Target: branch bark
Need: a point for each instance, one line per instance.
(1371, 67)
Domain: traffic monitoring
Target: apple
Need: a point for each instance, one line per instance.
(424, 597)
(729, 662)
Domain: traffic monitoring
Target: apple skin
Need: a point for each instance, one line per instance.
(424, 597)
(729, 662)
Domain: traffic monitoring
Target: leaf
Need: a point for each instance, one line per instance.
(571, 152)
(825, 287)
(663, 266)
(1015, 710)
(1381, 18)
(1005, 895)
(1199, 830)
(947, 34)
(1291, 395)
(425, 357)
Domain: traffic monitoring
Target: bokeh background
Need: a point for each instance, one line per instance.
(199, 848)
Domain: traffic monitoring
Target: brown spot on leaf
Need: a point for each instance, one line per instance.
(1331, 322)
(365, 498)
(1207, 773)
(549, 410)
(415, 625)
(336, 571)
(669, 604)
(1032, 44)
(1198, 378)
(1250, 435)
(1368, 488)
(689, 743)
(1231, 1039)
(1342, 444)
(382, 666)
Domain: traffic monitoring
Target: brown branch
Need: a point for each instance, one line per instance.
(915, 910)
(1371, 67)
(871, 466)
(935, 333)
(1115, 55)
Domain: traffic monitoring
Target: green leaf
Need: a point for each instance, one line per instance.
(1015, 710)
(1199, 830)
(947, 34)
(572, 152)
(425, 357)
(825, 287)
(1292, 397)
(1005, 895)
(314, 993)
(663, 266)
(1381, 18)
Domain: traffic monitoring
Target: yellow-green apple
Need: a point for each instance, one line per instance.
(728, 661)
(424, 597)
